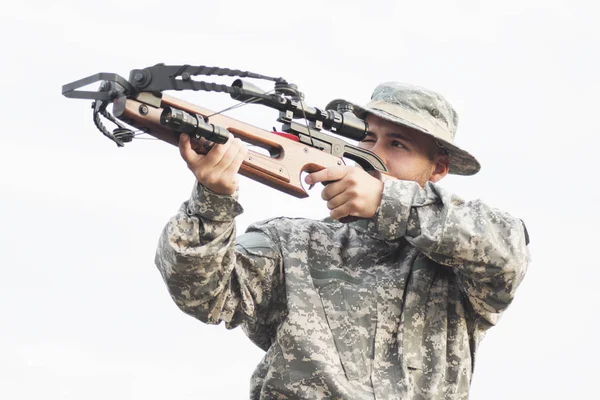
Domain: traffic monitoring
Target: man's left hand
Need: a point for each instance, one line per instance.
(348, 191)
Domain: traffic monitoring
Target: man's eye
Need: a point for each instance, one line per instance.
(368, 142)
(396, 143)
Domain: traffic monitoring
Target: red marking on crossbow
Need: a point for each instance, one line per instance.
(288, 135)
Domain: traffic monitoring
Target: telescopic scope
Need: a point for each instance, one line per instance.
(287, 99)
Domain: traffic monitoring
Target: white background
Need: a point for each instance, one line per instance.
(84, 312)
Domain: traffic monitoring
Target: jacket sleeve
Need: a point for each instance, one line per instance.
(486, 248)
(211, 275)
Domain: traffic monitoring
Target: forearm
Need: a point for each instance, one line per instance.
(211, 274)
(195, 254)
(486, 247)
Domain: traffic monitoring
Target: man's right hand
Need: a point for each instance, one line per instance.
(218, 169)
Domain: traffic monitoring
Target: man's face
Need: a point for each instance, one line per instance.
(408, 154)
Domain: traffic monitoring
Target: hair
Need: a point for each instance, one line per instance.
(437, 149)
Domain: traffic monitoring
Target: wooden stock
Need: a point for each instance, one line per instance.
(281, 171)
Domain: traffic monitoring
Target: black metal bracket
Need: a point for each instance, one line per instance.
(104, 93)
(330, 144)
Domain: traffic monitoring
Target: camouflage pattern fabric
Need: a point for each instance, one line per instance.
(392, 307)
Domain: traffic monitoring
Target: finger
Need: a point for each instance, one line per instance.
(229, 156)
(239, 158)
(216, 153)
(340, 212)
(187, 152)
(226, 180)
(333, 189)
(338, 200)
(326, 175)
(201, 145)
(350, 181)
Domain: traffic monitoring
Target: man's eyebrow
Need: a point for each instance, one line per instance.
(396, 135)
(393, 135)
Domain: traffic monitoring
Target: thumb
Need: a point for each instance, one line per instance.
(186, 150)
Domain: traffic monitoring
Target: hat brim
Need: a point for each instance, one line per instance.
(461, 161)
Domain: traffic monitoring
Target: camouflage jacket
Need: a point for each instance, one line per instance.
(387, 308)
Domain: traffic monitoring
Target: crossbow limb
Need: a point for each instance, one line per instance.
(141, 103)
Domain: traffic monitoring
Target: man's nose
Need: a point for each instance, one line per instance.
(378, 150)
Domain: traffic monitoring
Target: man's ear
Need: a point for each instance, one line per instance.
(442, 165)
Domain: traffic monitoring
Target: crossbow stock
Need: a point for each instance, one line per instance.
(301, 147)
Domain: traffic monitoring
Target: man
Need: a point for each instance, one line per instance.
(391, 306)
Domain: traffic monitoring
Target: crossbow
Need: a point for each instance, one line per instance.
(299, 147)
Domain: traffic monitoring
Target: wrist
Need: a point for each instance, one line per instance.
(390, 219)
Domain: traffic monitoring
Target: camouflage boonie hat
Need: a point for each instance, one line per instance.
(422, 110)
